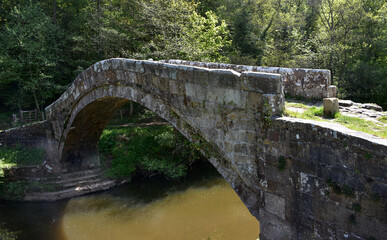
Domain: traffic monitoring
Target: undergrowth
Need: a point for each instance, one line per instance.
(20, 156)
(149, 150)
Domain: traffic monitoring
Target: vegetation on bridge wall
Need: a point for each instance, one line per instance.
(38, 61)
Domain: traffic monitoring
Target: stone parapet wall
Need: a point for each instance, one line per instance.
(31, 135)
(35, 135)
(332, 183)
(301, 82)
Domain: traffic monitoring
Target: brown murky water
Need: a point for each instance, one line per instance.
(197, 210)
(201, 212)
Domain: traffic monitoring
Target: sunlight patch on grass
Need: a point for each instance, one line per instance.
(383, 119)
(362, 125)
(354, 123)
(296, 105)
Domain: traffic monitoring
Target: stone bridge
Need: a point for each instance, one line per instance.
(301, 179)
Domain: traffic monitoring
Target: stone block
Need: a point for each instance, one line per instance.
(195, 91)
(275, 205)
(185, 73)
(273, 227)
(268, 83)
(331, 106)
(201, 76)
(254, 101)
(224, 78)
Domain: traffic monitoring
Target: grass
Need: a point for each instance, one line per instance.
(383, 119)
(362, 125)
(354, 123)
(312, 113)
(297, 105)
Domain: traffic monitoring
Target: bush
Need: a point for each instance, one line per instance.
(149, 150)
(20, 155)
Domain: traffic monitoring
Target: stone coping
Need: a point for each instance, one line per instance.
(337, 128)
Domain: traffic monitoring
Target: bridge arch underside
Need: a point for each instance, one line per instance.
(79, 145)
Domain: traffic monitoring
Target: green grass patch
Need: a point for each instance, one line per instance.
(150, 150)
(312, 113)
(362, 125)
(354, 123)
(297, 105)
(383, 119)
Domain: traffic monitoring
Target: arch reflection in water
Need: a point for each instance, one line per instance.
(209, 210)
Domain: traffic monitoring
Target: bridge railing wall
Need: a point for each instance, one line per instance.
(323, 179)
(298, 82)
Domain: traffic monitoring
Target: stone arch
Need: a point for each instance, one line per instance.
(219, 109)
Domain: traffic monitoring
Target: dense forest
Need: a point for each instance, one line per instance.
(44, 44)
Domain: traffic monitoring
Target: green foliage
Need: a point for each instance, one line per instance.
(46, 43)
(281, 163)
(348, 191)
(20, 155)
(28, 56)
(14, 190)
(345, 189)
(6, 234)
(154, 149)
(173, 29)
(356, 207)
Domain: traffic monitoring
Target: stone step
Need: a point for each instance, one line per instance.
(76, 179)
(79, 173)
(81, 183)
(70, 192)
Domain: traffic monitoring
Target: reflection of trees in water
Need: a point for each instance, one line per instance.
(6, 234)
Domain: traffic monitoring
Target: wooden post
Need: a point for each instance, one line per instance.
(29, 115)
(21, 116)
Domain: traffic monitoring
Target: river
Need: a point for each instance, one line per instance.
(200, 207)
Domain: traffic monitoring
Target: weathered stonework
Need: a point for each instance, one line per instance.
(334, 184)
(301, 179)
(298, 82)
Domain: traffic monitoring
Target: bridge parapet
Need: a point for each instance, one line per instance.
(300, 82)
(323, 181)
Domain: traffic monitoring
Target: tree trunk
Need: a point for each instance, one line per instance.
(54, 10)
(35, 99)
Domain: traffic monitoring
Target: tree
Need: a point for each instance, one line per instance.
(173, 29)
(30, 45)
